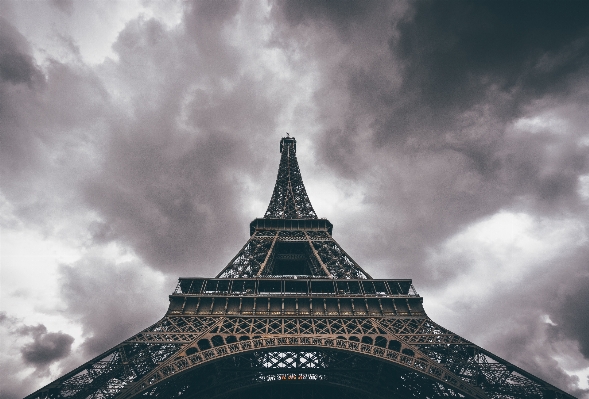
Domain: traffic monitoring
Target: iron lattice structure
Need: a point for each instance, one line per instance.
(289, 199)
(293, 316)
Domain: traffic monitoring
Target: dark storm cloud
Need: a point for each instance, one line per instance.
(437, 96)
(204, 23)
(26, 347)
(453, 56)
(454, 51)
(571, 307)
(16, 64)
(340, 14)
(46, 346)
(573, 317)
(170, 184)
(16, 336)
(44, 147)
(167, 182)
(212, 11)
(16, 68)
(166, 208)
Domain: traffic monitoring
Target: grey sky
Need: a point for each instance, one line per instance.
(446, 141)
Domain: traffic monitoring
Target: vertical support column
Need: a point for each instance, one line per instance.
(268, 255)
(317, 256)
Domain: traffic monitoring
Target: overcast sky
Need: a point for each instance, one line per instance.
(446, 141)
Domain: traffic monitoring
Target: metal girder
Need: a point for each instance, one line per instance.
(248, 261)
(289, 199)
(335, 374)
(324, 256)
(177, 345)
(107, 374)
(497, 377)
(282, 346)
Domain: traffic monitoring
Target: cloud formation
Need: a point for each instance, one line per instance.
(46, 347)
(446, 141)
(27, 346)
(127, 296)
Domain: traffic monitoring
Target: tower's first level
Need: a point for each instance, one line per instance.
(297, 338)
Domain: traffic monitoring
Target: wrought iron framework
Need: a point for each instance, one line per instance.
(293, 316)
(289, 199)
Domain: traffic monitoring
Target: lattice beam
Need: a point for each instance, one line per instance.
(408, 360)
(289, 199)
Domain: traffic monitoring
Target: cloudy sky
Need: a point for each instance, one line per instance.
(446, 141)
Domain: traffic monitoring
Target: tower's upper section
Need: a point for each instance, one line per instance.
(289, 199)
(290, 241)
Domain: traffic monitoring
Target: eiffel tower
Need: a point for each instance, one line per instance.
(294, 316)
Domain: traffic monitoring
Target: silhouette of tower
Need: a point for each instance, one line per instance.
(294, 316)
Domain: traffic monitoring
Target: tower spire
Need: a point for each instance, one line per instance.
(290, 240)
(289, 199)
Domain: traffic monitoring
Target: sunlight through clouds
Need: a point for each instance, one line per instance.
(500, 252)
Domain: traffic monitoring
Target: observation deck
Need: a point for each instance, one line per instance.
(296, 296)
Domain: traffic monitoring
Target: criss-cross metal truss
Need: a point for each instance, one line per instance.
(292, 247)
(293, 316)
(289, 199)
